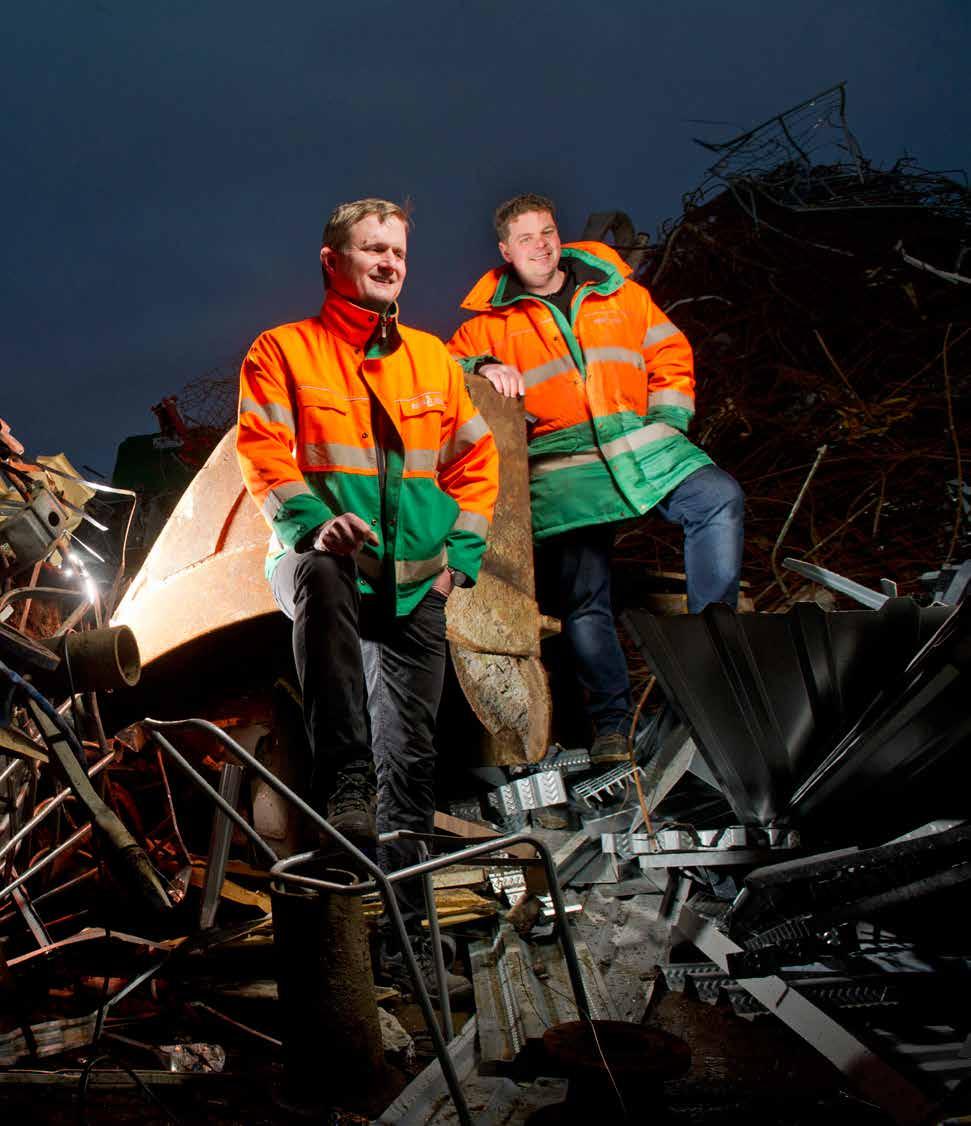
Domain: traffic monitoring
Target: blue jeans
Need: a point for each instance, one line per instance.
(573, 583)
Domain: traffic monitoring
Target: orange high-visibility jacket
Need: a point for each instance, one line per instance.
(351, 412)
(611, 390)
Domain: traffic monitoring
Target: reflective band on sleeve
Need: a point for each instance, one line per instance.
(657, 333)
(269, 412)
(337, 455)
(276, 498)
(420, 461)
(414, 570)
(610, 354)
(627, 443)
(473, 522)
(555, 462)
(463, 439)
(562, 365)
(669, 398)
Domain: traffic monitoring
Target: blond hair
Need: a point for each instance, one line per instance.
(338, 230)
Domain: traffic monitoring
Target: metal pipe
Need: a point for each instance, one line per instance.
(71, 841)
(130, 858)
(324, 981)
(387, 892)
(435, 935)
(8, 770)
(187, 768)
(493, 844)
(222, 835)
(94, 659)
(52, 804)
(556, 895)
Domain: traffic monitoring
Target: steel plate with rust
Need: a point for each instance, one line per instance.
(205, 570)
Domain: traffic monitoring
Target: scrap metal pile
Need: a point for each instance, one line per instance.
(795, 786)
(828, 303)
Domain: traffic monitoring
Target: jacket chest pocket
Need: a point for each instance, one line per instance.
(324, 415)
(421, 420)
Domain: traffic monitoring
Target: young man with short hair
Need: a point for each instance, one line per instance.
(608, 383)
(358, 440)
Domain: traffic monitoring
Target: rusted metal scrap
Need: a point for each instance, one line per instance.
(810, 328)
(494, 627)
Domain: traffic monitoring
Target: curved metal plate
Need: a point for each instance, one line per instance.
(205, 570)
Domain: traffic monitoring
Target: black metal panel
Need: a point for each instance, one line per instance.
(899, 753)
(768, 696)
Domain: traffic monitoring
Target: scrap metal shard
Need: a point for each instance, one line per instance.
(494, 627)
(205, 572)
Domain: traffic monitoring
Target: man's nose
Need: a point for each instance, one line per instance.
(387, 259)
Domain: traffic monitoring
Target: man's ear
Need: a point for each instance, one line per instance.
(327, 256)
(504, 251)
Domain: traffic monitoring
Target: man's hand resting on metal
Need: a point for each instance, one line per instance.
(507, 380)
(344, 535)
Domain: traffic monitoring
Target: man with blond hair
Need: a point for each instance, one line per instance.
(377, 476)
(608, 382)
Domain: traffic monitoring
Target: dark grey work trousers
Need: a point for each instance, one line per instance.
(371, 685)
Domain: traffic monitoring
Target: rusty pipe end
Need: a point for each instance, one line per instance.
(98, 658)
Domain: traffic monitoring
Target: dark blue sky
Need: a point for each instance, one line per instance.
(168, 167)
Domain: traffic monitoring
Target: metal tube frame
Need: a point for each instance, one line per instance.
(51, 804)
(281, 870)
(435, 936)
(64, 846)
(230, 782)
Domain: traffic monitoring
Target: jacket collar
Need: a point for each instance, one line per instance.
(488, 291)
(355, 324)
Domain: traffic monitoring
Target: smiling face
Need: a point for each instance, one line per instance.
(370, 270)
(532, 248)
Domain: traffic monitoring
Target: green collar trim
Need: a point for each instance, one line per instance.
(612, 280)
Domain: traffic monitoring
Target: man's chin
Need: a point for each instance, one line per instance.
(379, 302)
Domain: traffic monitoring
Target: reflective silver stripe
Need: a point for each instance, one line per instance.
(269, 412)
(276, 498)
(670, 399)
(660, 332)
(610, 354)
(317, 455)
(473, 522)
(368, 565)
(420, 461)
(414, 570)
(626, 443)
(555, 462)
(463, 439)
(562, 365)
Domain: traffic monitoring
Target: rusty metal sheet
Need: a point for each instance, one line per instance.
(205, 570)
(499, 614)
(494, 627)
(510, 696)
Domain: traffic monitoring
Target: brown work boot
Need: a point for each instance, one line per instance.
(350, 808)
(609, 749)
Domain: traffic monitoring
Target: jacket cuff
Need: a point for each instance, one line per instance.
(298, 518)
(677, 417)
(464, 551)
(470, 364)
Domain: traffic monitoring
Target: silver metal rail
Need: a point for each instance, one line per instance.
(380, 881)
